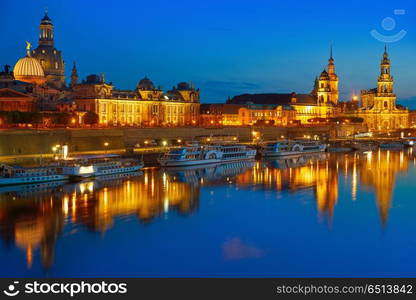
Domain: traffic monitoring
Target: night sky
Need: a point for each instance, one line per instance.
(225, 49)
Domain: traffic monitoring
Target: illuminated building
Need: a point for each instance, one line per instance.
(412, 119)
(145, 106)
(39, 75)
(326, 87)
(49, 57)
(245, 115)
(12, 100)
(322, 102)
(378, 105)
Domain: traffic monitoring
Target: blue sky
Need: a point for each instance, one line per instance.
(224, 47)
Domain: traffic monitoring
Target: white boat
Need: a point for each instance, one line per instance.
(236, 152)
(94, 166)
(10, 175)
(206, 154)
(290, 148)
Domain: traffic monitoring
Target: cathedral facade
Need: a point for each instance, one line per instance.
(378, 105)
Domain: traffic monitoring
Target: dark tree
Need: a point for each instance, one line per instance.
(90, 118)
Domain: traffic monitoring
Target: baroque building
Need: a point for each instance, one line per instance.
(378, 105)
(145, 106)
(322, 102)
(37, 83)
(39, 75)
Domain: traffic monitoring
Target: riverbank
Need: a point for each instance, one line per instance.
(20, 142)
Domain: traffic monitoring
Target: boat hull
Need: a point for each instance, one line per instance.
(107, 172)
(30, 180)
(201, 162)
(291, 153)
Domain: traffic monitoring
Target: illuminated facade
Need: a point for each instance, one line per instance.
(246, 115)
(322, 102)
(145, 106)
(11, 100)
(378, 106)
(326, 86)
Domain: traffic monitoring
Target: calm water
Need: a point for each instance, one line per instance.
(325, 215)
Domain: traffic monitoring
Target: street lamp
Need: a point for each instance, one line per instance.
(106, 144)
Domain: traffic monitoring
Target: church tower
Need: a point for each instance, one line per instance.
(378, 108)
(326, 85)
(74, 76)
(323, 92)
(385, 98)
(48, 56)
(333, 80)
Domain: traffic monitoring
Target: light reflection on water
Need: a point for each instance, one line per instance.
(225, 211)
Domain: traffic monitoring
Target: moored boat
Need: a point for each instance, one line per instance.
(93, 166)
(206, 154)
(10, 175)
(290, 148)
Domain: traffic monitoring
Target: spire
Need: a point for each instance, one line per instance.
(74, 69)
(330, 52)
(102, 78)
(385, 60)
(74, 75)
(331, 65)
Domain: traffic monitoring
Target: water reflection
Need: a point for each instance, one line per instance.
(34, 217)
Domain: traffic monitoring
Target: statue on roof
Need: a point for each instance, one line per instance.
(28, 46)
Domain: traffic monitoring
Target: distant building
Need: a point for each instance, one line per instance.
(412, 118)
(378, 105)
(214, 115)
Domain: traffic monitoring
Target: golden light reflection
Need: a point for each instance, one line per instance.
(34, 220)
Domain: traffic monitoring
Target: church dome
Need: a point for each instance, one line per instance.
(145, 84)
(28, 69)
